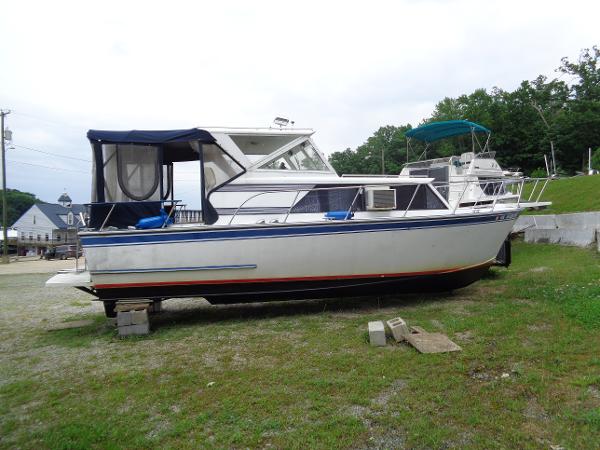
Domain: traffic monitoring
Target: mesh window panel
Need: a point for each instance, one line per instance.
(137, 168)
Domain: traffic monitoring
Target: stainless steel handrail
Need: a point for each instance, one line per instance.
(499, 188)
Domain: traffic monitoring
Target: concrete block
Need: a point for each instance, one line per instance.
(123, 318)
(578, 220)
(377, 333)
(139, 317)
(155, 307)
(135, 330)
(563, 236)
(398, 328)
(545, 222)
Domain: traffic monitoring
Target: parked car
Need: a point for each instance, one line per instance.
(62, 252)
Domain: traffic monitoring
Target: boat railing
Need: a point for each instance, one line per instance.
(517, 190)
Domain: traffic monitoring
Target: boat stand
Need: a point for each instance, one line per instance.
(133, 316)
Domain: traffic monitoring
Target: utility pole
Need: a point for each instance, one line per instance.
(5, 259)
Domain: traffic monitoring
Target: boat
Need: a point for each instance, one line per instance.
(473, 178)
(332, 237)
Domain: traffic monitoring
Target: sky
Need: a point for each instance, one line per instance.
(342, 68)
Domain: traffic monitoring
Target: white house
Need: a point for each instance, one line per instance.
(46, 225)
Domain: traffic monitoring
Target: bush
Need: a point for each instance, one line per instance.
(596, 159)
(538, 173)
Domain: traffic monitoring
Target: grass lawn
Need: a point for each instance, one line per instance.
(302, 375)
(568, 195)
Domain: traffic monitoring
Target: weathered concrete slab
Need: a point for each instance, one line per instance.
(70, 325)
(398, 328)
(377, 334)
(563, 236)
(525, 222)
(578, 220)
(426, 342)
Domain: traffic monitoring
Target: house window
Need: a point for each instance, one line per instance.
(22, 235)
(70, 218)
(31, 236)
(39, 238)
(58, 237)
(47, 237)
(34, 220)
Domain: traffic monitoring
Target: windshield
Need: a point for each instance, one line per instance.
(301, 157)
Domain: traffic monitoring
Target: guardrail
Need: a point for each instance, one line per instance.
(489, 192)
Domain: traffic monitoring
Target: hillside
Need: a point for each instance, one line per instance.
(568, 195)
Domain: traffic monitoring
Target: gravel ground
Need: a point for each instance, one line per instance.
(33, 264)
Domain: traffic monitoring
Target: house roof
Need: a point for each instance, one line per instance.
(54, 211)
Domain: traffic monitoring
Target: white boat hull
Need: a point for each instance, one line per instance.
(291, 260)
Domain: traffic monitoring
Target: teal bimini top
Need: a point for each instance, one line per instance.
(435, 131)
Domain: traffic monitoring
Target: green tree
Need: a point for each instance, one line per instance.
(596, 159)
(388, 141)
(18, 202)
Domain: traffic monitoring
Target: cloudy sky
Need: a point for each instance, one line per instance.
(342, 68)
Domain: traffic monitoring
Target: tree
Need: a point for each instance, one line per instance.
(388, 141)
(596, 159)
(18, 202)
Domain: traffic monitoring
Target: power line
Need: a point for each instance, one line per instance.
(47, 120)
(46, 167)
(50, 153)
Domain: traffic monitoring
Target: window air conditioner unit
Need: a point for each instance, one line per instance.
(380, 198)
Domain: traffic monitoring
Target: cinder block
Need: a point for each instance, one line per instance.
(377, 333)
(156, 307)
(135, 330)
(139, 317)
(123, 318)
(398, 328)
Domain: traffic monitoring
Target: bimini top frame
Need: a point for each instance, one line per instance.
(436, 131)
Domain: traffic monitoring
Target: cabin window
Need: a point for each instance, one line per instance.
(137, 169)
(424, 198)
(302, 157)
(324, 200)
(258, 147)
(492, 187)
(219, 167)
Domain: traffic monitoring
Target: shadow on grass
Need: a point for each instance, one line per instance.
(205, 313)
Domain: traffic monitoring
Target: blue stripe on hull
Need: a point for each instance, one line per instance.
(280, 231)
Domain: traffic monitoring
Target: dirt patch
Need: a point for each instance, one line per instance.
(539, 327)
(594, 392)
(465, 336)
(534, 410)
(383, 398)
